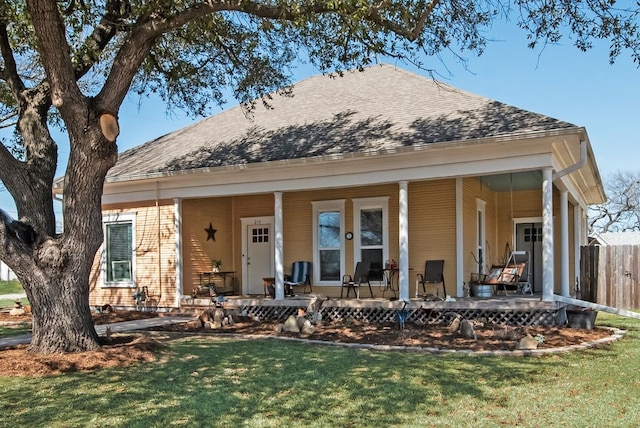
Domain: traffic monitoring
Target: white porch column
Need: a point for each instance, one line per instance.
(459, 239)
(279, 243)
(577, 241)
(547, 235)
(177, 230)
(403, 257)
(564, 244)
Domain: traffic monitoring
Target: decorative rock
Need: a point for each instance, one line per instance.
(216, 325)
(527, 343)
(455, 325)
(467, 330)
(301, 320)
(307, 330)
(279, 328)
(218, 315)
(291, 324)
(231, 321)
(16, 312)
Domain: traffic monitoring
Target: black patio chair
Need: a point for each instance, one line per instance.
(359, 278)
(433, 274)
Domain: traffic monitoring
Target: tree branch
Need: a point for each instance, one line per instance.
(10, 70)
(50, 31)
(142, 37)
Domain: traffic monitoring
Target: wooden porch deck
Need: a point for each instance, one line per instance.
(510, 309)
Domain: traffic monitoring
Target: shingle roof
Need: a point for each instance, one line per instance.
(383, 107)
(619, 238)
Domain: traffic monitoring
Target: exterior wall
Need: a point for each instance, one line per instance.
(155, 258)
(197, 251)
(432, 229)
(298, 225)
(473, 189)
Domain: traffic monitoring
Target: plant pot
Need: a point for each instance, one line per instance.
(481, 290)
(581, 319)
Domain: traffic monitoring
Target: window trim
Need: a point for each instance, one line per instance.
(359, 204)
(115, 218)
(318, 207)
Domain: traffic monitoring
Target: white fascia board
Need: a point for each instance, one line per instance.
(447, 161)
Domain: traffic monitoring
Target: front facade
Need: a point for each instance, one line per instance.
(379, 166)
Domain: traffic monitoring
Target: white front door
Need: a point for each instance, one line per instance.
(258, 253)
(529, 238)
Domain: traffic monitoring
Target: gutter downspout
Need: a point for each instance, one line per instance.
(576, 166)
(597, 307)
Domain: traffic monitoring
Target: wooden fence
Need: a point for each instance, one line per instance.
(617, 276)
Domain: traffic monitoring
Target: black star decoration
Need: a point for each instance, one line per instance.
(211, 233)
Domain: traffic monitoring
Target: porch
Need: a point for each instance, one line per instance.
(517, 310)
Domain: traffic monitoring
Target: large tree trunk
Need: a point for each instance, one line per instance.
(62, 319)
(54, 269)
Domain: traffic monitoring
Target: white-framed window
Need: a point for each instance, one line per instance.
(481, 234)
(371, 231)
(118, 259)
(328, 241)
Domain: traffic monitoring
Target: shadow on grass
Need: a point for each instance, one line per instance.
(205, 382)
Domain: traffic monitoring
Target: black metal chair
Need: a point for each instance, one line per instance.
(433, 274)
(359, 278)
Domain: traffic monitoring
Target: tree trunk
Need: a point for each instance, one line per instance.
(62, 319)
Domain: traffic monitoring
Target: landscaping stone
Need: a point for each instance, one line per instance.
(527, 343)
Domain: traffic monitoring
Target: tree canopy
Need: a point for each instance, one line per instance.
(72, 63)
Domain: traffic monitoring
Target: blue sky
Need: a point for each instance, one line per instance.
(558, 80)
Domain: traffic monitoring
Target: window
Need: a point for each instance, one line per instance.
(117, 253)
(328, 244)
(371, 227)
(480, 257)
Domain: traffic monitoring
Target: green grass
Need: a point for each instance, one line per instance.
(268, 383)
(15, 329)
(10, 287)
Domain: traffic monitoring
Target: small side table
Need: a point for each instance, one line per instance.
(266, 282)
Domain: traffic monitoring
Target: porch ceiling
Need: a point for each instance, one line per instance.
(526, 180)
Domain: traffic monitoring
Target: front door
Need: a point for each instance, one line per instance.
(529, 238)
(258, 253)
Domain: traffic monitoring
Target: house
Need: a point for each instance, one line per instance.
(377, 165)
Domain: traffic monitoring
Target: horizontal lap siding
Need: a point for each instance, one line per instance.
(198, 252)
(298, 221)
(474, 189)
(155, 258)
(432, 228)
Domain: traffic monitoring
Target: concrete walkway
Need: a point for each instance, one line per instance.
(117, 327)
(12, 296)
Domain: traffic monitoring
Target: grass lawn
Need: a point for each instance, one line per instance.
(15, 329)
(11, 287)
(267, 383)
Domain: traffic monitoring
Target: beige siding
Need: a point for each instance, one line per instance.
(155, 258)
(198, 251)
(432, 228)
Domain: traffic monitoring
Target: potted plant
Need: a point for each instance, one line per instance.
(216, 265)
